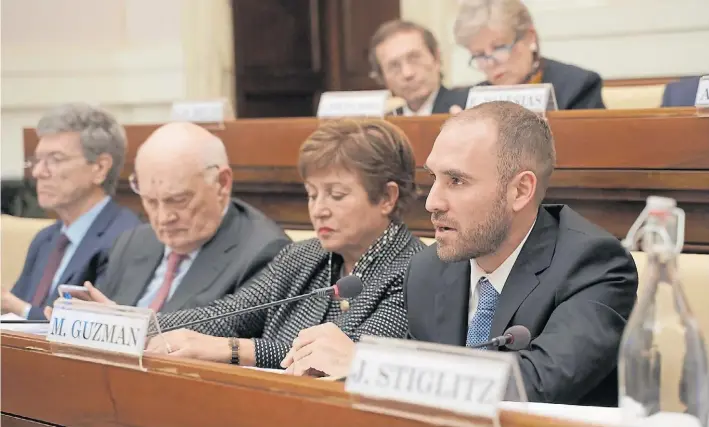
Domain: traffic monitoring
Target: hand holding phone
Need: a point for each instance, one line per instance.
(74, 291)
(86, 293)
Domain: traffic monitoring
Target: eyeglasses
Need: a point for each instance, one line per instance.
(51, 161)
(413, 59)
(500, 54)
(133, 179)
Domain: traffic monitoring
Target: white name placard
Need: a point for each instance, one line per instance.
(535, 97)
(702, 100)
(109, 328)
(470, 382)
(364, 103)
(209, 111)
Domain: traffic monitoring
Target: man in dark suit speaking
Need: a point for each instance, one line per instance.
(200, 244)
(503, 259)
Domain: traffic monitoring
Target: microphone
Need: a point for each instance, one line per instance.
(347, 287)
(515, 338)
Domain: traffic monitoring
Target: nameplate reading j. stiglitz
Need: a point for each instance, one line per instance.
(535, 97)
(114, 329)
(363, 103)
(469, 382)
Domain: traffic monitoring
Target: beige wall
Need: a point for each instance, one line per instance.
(134, 57)
(616, 38)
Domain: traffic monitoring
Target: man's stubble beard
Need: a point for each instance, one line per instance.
(483, 240)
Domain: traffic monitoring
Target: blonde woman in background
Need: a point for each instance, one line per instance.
(504, 44)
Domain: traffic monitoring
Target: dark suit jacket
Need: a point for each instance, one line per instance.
(90, 258)
(244, 243)
(575, 88)
(573, 285)
(682, 93)
(445, 99)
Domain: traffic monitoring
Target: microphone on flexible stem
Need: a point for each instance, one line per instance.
(347, 287)
(515, 338)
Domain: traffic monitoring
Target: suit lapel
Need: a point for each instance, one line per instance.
(451, 304)
(209, 264)
(88, 245)
(137, 277)
(439, 104)
(534, 258)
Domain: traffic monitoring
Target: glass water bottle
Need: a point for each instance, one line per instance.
(662, 367)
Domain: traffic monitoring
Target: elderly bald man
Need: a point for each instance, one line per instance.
(200, 244)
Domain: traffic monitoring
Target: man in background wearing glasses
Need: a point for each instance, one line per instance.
(404, 57)
(77, 164)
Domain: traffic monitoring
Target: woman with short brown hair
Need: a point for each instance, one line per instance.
(359, 177)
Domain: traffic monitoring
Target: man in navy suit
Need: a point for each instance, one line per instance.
(77, 163)
(682, 93)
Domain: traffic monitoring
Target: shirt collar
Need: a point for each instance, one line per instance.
(191, 256)
(498, 277)
(78, 229)
(427, 107)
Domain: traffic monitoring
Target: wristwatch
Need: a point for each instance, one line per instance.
(234, 345)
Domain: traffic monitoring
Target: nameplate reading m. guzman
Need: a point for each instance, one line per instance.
(534, 97)
(107, 328)
(470, 382)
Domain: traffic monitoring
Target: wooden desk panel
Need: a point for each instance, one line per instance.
(608, 163)
(44, 388)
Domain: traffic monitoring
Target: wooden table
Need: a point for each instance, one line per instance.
(40, 388)
(608, 162)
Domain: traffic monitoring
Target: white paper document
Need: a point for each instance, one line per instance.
(591, 414)
(28, 328)
(273, 371)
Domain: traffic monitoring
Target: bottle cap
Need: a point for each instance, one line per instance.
(661, 203)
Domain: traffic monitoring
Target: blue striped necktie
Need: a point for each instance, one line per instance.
(481, 322)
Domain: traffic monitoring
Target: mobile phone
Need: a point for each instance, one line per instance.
(69, 291)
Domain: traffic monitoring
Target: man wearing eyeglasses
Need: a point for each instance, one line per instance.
(504, 45)
(200, 244)
(404, 57)
(77, 163)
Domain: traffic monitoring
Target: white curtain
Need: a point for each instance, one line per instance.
(207, 39)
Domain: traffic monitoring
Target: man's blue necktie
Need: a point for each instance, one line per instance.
(481, 323)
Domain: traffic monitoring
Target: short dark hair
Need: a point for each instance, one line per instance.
(389, 29)
(376, 150)
(524, 141)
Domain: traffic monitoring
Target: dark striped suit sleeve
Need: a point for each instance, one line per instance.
(256, 292)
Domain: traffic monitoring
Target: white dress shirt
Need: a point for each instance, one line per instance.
(497, 278)
(427, 107)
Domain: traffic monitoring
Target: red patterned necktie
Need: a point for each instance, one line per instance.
(55, 258)
(173, 263)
